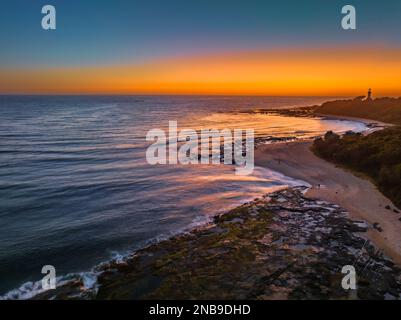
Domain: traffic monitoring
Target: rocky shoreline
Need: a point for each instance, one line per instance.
(281, 246)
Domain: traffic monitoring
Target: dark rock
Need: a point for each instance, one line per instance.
(376, 225)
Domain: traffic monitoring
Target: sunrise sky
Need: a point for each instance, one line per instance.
(200, 47)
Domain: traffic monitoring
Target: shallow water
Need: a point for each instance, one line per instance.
(75, 188)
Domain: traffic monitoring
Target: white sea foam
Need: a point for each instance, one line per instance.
(31, 289)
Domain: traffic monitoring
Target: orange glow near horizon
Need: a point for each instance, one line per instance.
(316, 71)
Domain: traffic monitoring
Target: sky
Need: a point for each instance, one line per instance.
(284, 47)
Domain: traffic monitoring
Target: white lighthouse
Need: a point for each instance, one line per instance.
(369, 98)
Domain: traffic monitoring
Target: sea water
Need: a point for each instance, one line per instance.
(76, 190)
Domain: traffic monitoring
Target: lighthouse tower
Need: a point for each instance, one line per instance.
(369, 98)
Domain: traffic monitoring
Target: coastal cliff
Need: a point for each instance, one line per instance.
(381, 109)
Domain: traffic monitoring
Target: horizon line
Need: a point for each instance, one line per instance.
(184, 95)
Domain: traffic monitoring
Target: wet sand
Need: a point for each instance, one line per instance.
(355, 194)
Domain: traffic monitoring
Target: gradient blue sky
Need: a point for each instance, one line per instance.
(102, 32)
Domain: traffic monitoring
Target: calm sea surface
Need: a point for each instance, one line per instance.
(75, 188)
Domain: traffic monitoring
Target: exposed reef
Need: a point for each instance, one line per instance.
(281, 246)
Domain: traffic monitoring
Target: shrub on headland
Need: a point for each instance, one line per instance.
(377, 155)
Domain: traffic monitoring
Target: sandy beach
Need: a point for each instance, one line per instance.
(355, 194)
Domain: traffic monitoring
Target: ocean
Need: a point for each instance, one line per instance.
(76, 190)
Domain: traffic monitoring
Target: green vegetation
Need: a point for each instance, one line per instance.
(381, 109)
(377, 155)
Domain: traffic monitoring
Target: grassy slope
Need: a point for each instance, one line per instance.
(381, 109)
